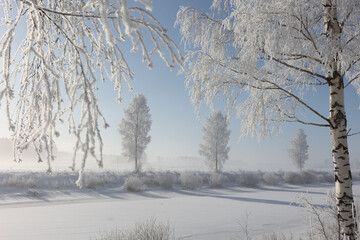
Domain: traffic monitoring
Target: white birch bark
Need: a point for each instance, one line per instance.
(340, 155)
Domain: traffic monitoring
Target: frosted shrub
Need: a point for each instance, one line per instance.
(298, 178)
(190, 180)
(92, 181)
(308, 177)
(55, 184)
(325, 177)
(12, 181)
(274, 236)
(146, 230)
(30, 183)
(248, 179)
(216, 180)
(134, 184)
(149, 178)
(271, 179)
(292, 178)
(33, 193)
(166, 180)
(17, 181)
(231, 177)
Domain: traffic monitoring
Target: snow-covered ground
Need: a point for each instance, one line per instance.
(50, 207)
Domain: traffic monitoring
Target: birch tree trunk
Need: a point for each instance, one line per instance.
(340, 153)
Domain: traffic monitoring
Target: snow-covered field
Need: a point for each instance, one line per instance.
(38, 206)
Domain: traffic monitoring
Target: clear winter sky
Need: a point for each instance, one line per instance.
(176, 130)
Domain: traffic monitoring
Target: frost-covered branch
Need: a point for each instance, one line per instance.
(313, 74)
(53, 54)
(306, 123)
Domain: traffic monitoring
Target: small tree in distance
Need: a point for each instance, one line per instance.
(299, 150)
(216, 138)
(134, 129)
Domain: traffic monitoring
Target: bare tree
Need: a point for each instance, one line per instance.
(134, 129)
(265, 56)
(215, 141)
(299, 150)
(53, 53)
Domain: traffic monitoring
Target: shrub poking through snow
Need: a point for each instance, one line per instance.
(134, 184)
(147, 230)
(190, 180)
(166, 180)
(33, 193)
(271, 179)
(298, 178)
(216, 180)
(248, 179)
(19, 181)
(324, 177)
(92, 181)
(292, 178)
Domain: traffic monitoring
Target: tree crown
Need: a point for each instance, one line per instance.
(265, 56)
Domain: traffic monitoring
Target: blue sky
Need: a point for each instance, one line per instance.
(176, 130)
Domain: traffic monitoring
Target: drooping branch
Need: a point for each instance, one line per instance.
(300, 101)
(296, 120)
(273, 86)
(70, 44)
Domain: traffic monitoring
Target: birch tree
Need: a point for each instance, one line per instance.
(134, 129)
(299, 150)
(266, 56)
(54, 53)
(215, 141)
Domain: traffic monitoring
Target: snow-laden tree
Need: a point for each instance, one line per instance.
(52, 55)
(298, 152)
(134, 129)
(267, 56)
(215, 141)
